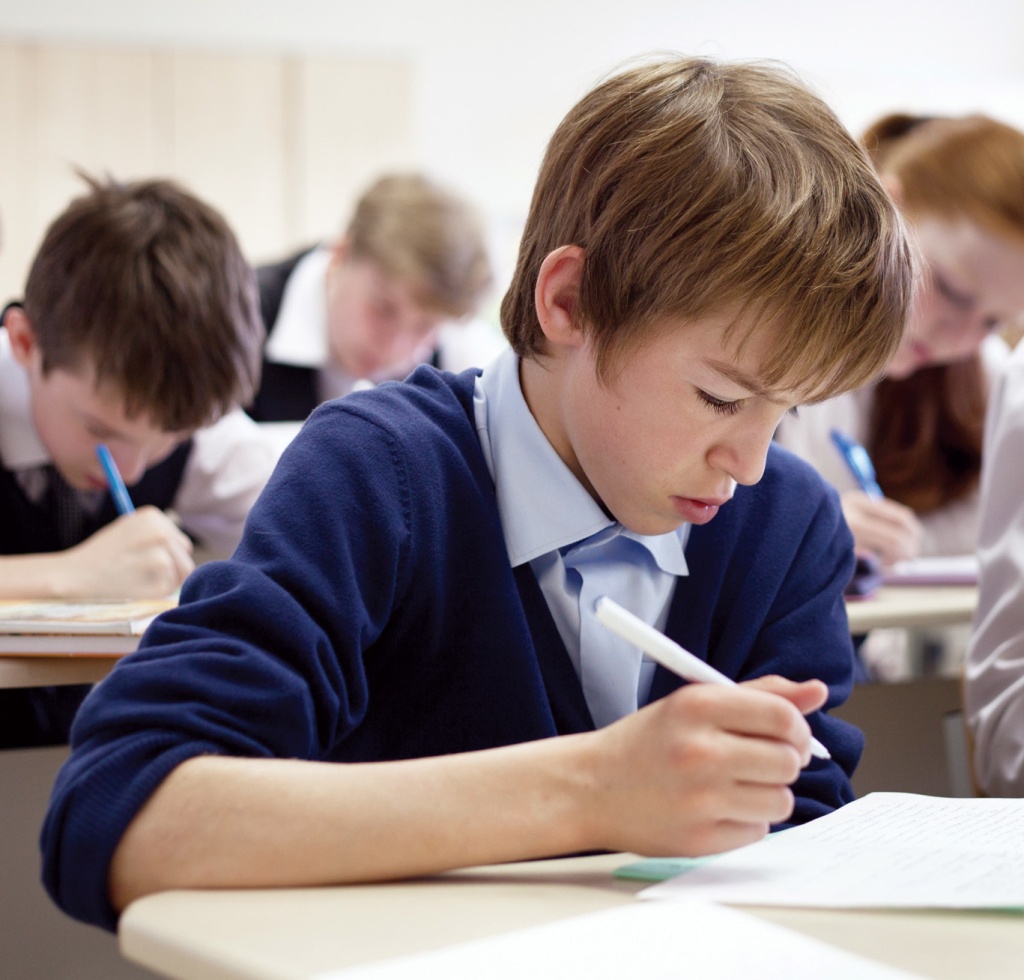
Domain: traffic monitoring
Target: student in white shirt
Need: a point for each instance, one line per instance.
(399, 289)
(139, 330)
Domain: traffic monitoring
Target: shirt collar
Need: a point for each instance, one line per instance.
(543, 506)
(299, 335)
(20, 446)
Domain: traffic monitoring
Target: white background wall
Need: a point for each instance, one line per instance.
(491, 81)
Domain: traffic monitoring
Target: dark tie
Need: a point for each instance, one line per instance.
(64, 503)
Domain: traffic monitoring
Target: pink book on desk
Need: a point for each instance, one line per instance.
(938, 570)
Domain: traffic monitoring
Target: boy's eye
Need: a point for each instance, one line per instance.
(717, 404)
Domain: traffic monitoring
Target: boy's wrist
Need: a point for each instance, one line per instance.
(579, 766)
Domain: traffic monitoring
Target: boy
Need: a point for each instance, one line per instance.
(139, 329)
(377, 303)
(706, 248)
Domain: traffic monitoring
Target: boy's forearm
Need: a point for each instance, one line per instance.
(226, 822)
(703, 770)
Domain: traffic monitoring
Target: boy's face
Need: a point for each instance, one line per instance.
(375, 325)
(668, 439)
(72, 416)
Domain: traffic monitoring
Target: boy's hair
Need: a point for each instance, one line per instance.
(146, 286)
(422, 234)
(698, 188)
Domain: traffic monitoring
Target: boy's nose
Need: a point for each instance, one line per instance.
(132, 466)
(742, 457)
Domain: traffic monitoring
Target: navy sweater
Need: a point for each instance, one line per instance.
(371, 613)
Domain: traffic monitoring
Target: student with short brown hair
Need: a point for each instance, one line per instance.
(398, 289)
(400, 671)
(139, 329)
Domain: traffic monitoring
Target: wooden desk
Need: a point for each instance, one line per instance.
(913, 607)
(901, 606)
(43, 654)
(40, 670)
(288, 934)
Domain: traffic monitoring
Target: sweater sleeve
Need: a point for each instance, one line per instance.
(262, 658)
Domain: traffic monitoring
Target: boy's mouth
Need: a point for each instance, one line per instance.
(695, 510)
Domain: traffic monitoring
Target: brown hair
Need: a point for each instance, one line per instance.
(926, 430)
(146, 286)
(696, 187)
(422, 234)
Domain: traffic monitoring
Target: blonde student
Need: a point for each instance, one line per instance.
(398, 289)
(400, 670)
(139, 330)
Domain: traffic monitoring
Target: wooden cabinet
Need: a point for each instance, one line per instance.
(280, 143)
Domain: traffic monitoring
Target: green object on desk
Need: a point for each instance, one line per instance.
(658, 869)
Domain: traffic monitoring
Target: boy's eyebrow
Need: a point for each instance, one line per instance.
(737, 377)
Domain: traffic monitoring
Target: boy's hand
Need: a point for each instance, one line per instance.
(141, 555)
(883, 527)
(703, 770)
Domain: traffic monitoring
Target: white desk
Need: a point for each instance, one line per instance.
(288, 934)
(913, 607)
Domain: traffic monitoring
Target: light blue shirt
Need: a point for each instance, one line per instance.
(577, 552)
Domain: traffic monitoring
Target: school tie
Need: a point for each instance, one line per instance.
(609, 666)
(65, 504)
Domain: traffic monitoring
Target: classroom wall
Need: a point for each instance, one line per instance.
(490, 81)
(281, 143)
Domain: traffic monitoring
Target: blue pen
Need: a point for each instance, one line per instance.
(860, 464)
(117, 488)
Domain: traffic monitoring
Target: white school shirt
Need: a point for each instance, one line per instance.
(299, 335)
(227, 468)
(994, 679)
(576, 551)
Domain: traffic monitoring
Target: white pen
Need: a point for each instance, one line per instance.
(667, 652)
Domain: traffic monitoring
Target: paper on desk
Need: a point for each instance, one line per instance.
(887, 850)
(656, 941)
(934, 570)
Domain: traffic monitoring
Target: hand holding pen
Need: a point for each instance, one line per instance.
(881, 526)
(668, 653)
(143, 554)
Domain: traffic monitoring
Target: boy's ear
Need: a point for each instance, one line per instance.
(557, 293)
(22, 335)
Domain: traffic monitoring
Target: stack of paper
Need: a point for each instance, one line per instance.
(887, 850)
(938, 570)
(45, 626)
